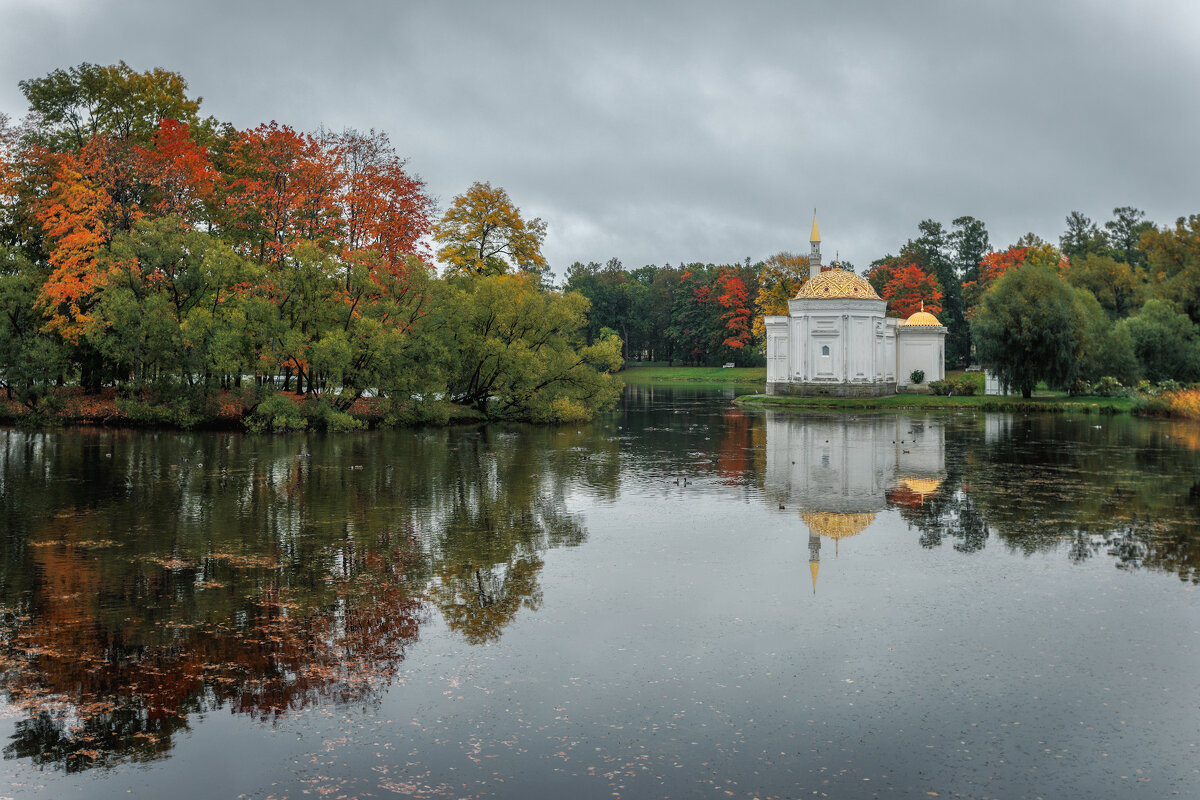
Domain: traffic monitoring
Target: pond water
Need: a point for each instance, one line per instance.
(684, 599)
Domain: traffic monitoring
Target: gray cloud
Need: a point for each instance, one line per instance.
(700, 131)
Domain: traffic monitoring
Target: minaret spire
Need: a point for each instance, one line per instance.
(814, 253)
(814, 557)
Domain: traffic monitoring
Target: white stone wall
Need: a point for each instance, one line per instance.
(920, 347)
(777, 348)
(835, 341)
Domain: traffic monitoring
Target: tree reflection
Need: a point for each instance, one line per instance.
(153, 577)
(109, 655)
(1124, 489)
(495, 515)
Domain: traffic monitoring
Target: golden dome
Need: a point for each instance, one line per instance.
(837, 284)
(836, 525)
(922, 318)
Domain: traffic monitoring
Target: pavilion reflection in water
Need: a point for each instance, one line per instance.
(839, 471)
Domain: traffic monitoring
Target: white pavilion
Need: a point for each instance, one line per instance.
(838, 340)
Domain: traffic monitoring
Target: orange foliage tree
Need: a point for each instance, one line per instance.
(733, 296)
(383, 209)
(910, 290)
(995, 264)
(281, 192)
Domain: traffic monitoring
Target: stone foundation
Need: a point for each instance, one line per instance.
(832, 389)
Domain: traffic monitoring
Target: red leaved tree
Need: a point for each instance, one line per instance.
(281, 192)
(180, 178)
(910, 290)
(383, 209)
(738, 315)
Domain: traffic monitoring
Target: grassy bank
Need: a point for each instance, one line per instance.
(1045, 403)
(659, 374)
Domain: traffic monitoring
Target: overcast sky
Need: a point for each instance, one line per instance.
(663, 132)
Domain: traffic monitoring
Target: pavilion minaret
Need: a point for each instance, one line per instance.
(814, 556)
(814, 253)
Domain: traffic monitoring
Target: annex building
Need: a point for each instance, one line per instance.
(838, 340)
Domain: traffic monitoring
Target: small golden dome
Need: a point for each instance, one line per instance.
(837, 284)
(922, 318)
(837, 525)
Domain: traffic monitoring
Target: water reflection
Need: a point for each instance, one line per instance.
(1124, 488)
(147, 577)
(150, 577)
(840, 471)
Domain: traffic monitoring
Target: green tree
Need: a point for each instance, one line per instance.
(516, 352)
(31, 359)
(1105, 348)
(969, 242)
(1167, 342)
(482, 233)
(1026, 329)
(1124, 233)
(1082, 237)
(1113, 282)
(73, 105)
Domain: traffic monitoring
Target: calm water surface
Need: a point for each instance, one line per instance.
(681, 600)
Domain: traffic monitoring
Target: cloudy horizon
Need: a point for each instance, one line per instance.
(699, 132)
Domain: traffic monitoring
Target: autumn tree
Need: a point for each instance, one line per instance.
(910, 290)
(780, 278)
(483, 233)
(736, 316)
(1173, 264)
(383, 209)
(881, 271)
(281, 193)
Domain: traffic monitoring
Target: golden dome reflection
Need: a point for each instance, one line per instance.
(837, 525)
(922, 486)
(837, 284)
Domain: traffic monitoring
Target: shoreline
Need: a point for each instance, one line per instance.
(1052, 405)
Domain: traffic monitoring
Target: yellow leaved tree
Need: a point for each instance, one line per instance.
(483, 234)
(782, 276)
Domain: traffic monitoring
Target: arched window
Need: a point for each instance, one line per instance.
(824, 349)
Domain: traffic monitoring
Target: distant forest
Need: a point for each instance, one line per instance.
(1134, 288)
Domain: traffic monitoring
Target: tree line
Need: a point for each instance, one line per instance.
(1117, 301)
(179, 259)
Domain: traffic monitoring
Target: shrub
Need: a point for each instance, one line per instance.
(965, 385)
(320, 414)
(917, 376)
(1109, 386)
(275, 413)
(941, 387)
